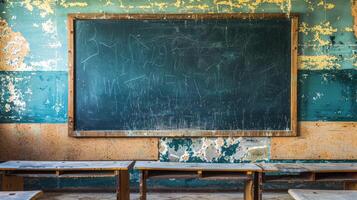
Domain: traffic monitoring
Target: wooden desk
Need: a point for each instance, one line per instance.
(207, 171)
(311, 172)
(20, 195)
(14, 171)
(323, 194)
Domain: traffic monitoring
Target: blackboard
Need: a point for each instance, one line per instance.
(215, 74)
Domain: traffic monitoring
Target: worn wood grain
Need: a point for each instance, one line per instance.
(151, 165)
(20, 195)
(66, 165)
(294, 74)
(318, 140)
(309, 167)
(299, 194)
(10, 183)
(51, 142)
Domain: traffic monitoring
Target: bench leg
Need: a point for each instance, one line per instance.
(350, 185)
(258, 186)
(143, 177)
(12, 183)
(249, 187)
(123, 185)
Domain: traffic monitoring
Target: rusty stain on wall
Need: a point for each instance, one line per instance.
(51, 142)
(13, 48)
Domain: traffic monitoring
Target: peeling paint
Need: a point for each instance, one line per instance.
(214, 149)
(354, 14)
(13, 48)
(319, 62)
(11, 97)
(67, 4)
(44, 64)
(284, 5)
(325, 5)
(45, 6)
(48, 27)
(318, 32)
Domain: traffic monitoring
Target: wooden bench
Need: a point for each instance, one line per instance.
(323, 194)
(207, 171)
(14, 171)
(309, 172)
(20, 195)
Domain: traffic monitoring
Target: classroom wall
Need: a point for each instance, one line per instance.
(34, 85)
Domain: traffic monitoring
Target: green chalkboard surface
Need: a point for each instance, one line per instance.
(210, 74)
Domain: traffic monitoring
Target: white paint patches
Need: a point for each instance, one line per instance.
(48, 27)
(55, 44)
(44, 64)
(7, 107)
(216, 149)
(14, 100)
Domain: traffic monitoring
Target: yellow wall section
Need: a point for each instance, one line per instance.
(51, 142)
(318, 140)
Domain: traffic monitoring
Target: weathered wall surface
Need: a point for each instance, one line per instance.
(51, 142)
(33, 78)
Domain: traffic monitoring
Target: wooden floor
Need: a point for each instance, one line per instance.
(162, 196)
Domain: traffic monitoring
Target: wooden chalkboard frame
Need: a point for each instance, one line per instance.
(185, 132)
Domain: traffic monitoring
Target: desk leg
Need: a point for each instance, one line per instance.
(143, 177)
(12, 183)
(249, 187)
(123, 187)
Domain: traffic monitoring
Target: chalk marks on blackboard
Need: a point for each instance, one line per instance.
(205, 75)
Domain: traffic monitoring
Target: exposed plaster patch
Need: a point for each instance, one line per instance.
(319, 62)
(319, 32)
(214, 149)
(11, 97)
(13, 48)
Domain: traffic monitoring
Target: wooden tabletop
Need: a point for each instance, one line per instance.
(180, 166)
(309, 167)
(20, 195)
(323, 194)
(66, 165)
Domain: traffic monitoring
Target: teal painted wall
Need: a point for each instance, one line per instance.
(33, 64)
